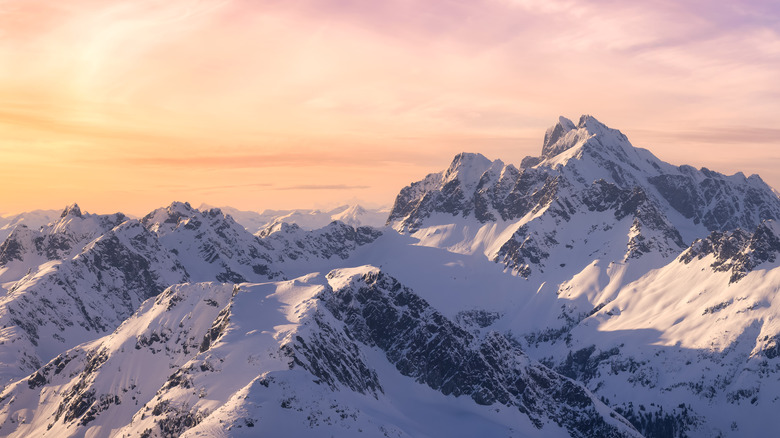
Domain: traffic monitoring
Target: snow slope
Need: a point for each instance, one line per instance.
(291, 358)
(598, 228)
(66, 302)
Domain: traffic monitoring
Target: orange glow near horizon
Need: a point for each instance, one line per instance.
(127, 106)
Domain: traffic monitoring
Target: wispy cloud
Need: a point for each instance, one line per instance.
(199, 188)
(324, 187)
(716, 135)
(736, 135)
(315, 158)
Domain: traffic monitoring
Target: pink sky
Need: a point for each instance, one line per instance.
(294, 104)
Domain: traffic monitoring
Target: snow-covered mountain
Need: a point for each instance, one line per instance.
(632, 263)
(353, 215)
(592, 291)
(692, 346)
(588, 175)
(66, 301)
(33, 220)
(81, 276)
(350, 353)
(210, 245)
(62, 238)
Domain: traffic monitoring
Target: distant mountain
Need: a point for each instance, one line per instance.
(33, 220)
(592, 291)
(352, 215)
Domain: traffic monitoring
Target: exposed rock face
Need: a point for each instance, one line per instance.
(337, 239)
(61, 239)
(555, 138)
(98, 382)
(327, 340)
(73, 300)
(210, 244)
(424, 345)
(81, 276)
(569, 155)
(718, 202)
(737, 251)
(584, 167)
(451, 191)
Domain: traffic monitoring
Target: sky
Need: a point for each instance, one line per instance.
(130, 105)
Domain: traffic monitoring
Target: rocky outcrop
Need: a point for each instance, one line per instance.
(737, 251)
(426, 346)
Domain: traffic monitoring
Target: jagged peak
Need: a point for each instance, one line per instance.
(175, 209)
(214, 212)
(278, 227)
(72, 210)
(553, 136)
(565, 135)
(590, 123)
(177, 206)
(469, 167)
(468, 160)
(356, 209)
(557, 139)
(171, 215)
(595, 128)
(756, 181)
(335, 225)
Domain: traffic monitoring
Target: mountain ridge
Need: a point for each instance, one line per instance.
(586, 166)
(593, 290)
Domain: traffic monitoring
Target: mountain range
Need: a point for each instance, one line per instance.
(354, 215)
(593, 290)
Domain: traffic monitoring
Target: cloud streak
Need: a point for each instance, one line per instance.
(732, 135)
(252, 161)
(324, 187)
